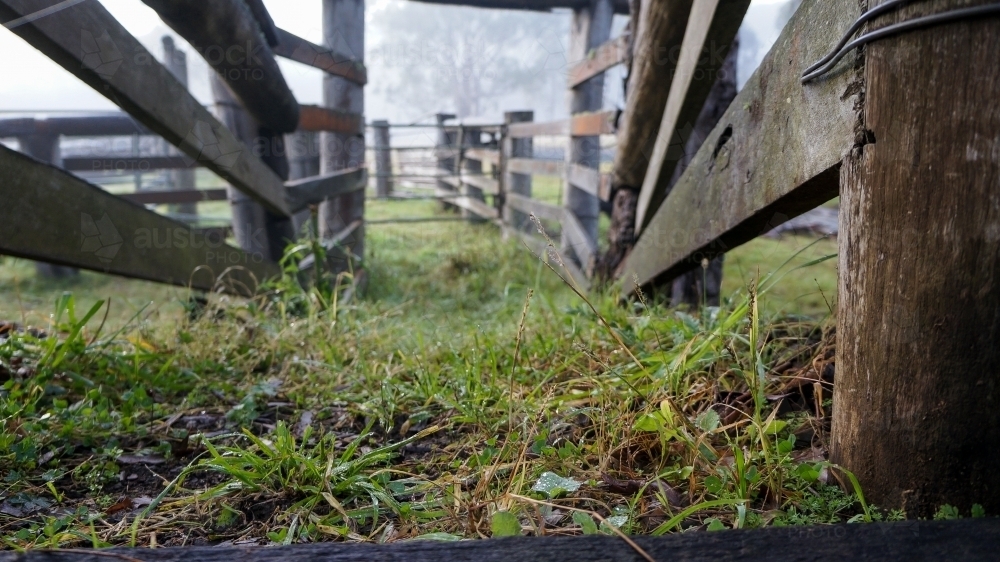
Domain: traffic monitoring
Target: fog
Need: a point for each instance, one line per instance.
(422, 59)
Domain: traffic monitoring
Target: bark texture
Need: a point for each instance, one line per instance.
(917, 399)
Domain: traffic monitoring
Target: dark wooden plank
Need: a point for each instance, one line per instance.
(967, 540)
(229, 38)
(536, 167)
(127, 164)
(174, 197)
(599, 60)
(50, 215)
(774, 155)
(713, 24)
(295, 48)
(115, 64)
(620, 6)
(317, 119)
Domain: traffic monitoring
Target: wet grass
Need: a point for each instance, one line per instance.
(469, 393)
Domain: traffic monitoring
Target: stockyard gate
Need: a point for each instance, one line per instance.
(536, 344)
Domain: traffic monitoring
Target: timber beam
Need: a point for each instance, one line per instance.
(50, 215)
(229, 38)
(293, 47)
(115, 64)
(620, 6)
(774, 155)
(710, 31)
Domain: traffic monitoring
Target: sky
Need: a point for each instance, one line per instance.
(33, 82)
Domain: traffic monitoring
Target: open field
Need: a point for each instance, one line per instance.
(469, 393)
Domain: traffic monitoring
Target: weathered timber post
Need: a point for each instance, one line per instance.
(591, 27)
(472, 138)
(45, 147)
(916, 412)
(513, 182)
(703, 285)
(260, 233)
(180, 180)
(343, 31)
(302, 148)
(446, 155)
(383, 159)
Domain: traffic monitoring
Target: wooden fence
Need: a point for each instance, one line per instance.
(48, 212)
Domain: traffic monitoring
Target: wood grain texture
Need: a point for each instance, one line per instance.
(774, 155)
(710, 31)
(295, 48)
(966, 541)
(229, 38)
(654, 60)
(320, 119)
(917, 401)
(50, 215)
(88, 42)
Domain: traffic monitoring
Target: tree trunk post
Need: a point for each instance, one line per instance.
(303, 162)
(45, 148)
(383, 159)
(343, 31)
(590, 28)
(519, 184)
(446, 155)
(260, 233)
(916, 411)
(180, 180)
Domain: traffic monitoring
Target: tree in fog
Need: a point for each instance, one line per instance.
(464, 60)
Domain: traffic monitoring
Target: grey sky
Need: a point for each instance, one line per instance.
(33, 82)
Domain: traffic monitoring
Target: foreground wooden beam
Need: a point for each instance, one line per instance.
(115, 64)
(913, 541)
(620, 6)
(774, 155)
(917, 399)
(53, 216)
(710, 32)
(230, 39)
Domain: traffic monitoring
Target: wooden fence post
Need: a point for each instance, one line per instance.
(446, 155)
(917, 397)
(383, 159)
(519, 184)
(591, 27)
(184, 179)
(472, 138)
(46, 149)
(302, 148)
(258, 232)
(343, 31)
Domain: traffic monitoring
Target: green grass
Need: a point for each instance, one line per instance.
(463, 396)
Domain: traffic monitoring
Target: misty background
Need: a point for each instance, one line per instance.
(422, 59)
